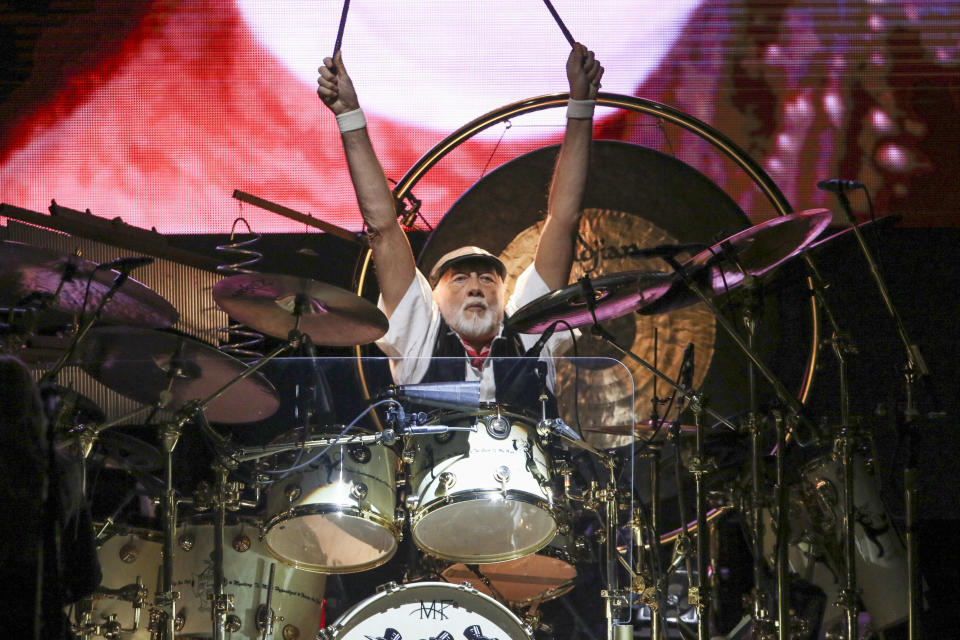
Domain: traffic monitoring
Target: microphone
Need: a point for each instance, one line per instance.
(126, 264)
(836, 185)
(443, 395)
(538, 346)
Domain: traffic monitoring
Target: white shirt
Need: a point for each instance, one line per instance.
(415, 324)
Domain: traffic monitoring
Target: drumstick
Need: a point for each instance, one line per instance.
(563, 27)
(343, 23)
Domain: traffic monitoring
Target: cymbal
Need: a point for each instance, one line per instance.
(614, 295)
(330, 316)
(139, 364)
(27, 270)
(69, 406)
(643, 430)
(755, 251)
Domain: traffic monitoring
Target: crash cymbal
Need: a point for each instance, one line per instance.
(755, 251)
(27, 271)
(614, 295)
(329, 315)
(139, 364)
(115, 450)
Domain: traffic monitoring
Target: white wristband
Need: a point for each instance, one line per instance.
(351, 120)
(580, 109)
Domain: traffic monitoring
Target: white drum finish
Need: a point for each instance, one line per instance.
(122, 559)
(481, 498)
(297, 595)
(339, 517)
(427, 610)
(538, 577)
(816, 545)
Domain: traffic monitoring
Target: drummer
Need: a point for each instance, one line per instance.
(458, 310)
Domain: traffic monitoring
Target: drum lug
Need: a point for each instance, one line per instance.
(359, 491)
(186, 541)
(413, 501)
(292, 492)
(445, 482)
(399, 517)
(400, 480)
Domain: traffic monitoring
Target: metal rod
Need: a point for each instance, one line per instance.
(218, 610)
(699, 467)
(783, 534)
(848, 596)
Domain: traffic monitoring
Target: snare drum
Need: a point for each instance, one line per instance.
(339, 516)
(427, 610)
(297, 595)
(538, 577)
(481, 496)
(130, 554)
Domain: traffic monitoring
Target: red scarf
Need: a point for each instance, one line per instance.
(477, 358)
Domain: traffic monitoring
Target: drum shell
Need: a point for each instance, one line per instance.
(815, 551)
(498, 504)
(124, 557)
(297, 595)
(339, 516)
(426, 610)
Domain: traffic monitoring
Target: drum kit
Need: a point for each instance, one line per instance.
(486, 493)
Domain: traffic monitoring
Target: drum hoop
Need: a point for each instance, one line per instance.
(325, 509)
(349, 619)
(468, 496)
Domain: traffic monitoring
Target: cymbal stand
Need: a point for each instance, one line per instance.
(783, 534)
(85, 327)
(700, 465)
(763, 625)
(87, 435)
(783, 395)
(915, 368)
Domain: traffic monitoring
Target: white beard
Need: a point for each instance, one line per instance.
(476, 324)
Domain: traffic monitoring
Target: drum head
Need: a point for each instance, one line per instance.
(331, 542)
(534, 578)
(427, 610)
(484, 529)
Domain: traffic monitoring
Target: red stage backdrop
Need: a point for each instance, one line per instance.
(156, 111)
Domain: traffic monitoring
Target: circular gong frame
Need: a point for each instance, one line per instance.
(727, 147)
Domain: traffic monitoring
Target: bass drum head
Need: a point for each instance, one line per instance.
(427, 610)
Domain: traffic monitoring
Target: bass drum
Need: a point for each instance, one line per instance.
(297, 595)
(427, 610)
(339, 515)
(128, 555)
(484, 495)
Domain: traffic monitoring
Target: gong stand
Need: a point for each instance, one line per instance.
(915, 368)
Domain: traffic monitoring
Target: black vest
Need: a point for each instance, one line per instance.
(517, 382)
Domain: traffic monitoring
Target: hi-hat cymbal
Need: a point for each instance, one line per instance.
(26, 270)
(755, 251)
(140, 364)
(614, 295)
(271, 303)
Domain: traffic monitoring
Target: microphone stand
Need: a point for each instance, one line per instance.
(915, 368)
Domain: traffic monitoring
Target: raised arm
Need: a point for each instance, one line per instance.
(555, 251)
(392, 255)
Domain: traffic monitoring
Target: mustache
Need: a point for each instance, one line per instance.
(475, 301)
